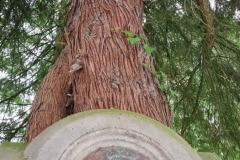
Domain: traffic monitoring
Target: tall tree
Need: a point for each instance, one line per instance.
(99, 68)
(196, 60)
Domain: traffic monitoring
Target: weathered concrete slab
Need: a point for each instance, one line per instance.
(11, 151)
(109, 134)
(208, 156)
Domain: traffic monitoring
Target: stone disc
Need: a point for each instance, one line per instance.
(109, 135)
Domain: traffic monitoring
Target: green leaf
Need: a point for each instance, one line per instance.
(172, 92)
(162, 87)
(129, 34)
(164, 75)
(133, 40)
(143, 37)
(148, 49)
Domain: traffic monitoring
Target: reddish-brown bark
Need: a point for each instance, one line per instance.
(99, 68)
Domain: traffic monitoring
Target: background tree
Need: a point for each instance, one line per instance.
(204, 90)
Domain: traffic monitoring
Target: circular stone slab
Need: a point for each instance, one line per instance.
(109, 135)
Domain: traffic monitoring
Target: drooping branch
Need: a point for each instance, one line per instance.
(207, 18)
(13, 133)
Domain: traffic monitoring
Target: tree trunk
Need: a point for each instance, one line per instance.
(99, 68)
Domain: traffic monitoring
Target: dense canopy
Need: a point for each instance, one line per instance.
(197, 60)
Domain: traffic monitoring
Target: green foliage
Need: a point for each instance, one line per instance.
(135, 38)
(28, 47)
(148, 49)
(129, 34)
(206, 98)
(202, 86)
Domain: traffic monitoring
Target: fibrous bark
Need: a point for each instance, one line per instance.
(99, 68)
(208, 21)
